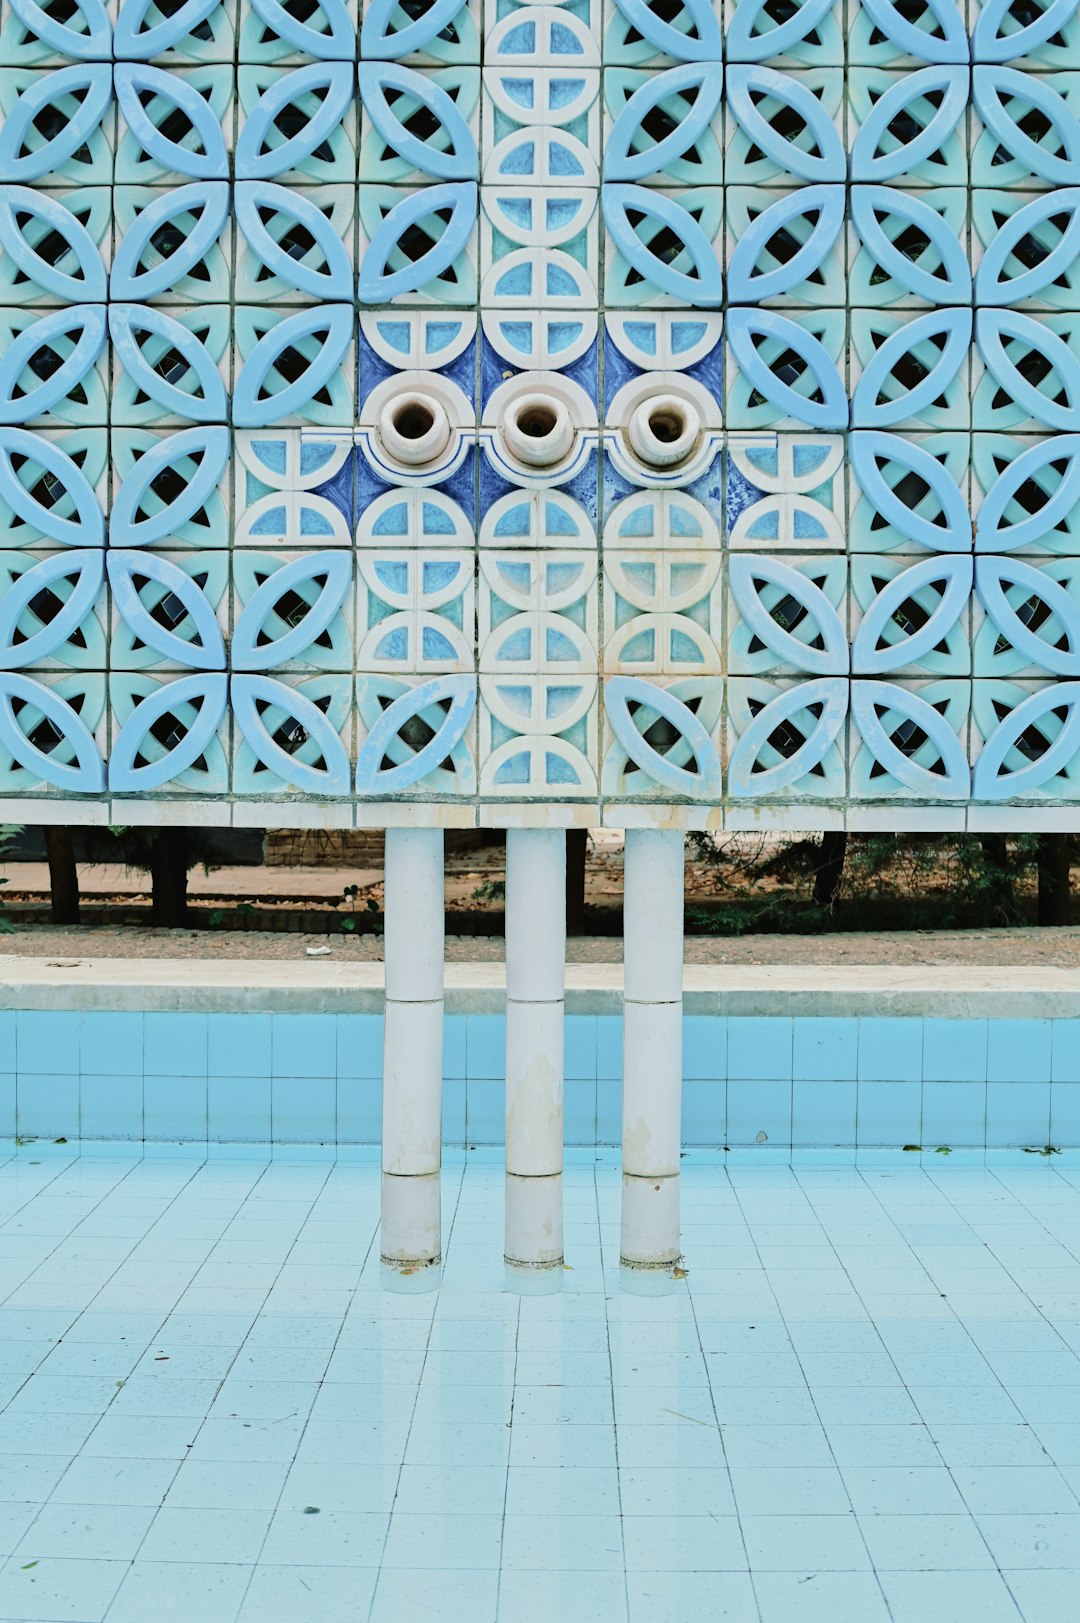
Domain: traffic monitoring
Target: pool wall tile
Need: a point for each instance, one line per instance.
(1017, 1115)
(704, 1047)
(759, 1107)
(825, 1050)
(47, 1042)
(303, 1045)
(176, 1044)
(485, 1110)
(486, 1046)
(174, 1108)
(953, 1114)
(890, 1050)
(822, 1113)
(955, 1050)
(238, 1109)
(223, 1078)
(759, 1047)
(359, 1109)
(239, 1044)
(47, 1105)
(889, 1113)
(1018, 1051)
(111, 1044)
(111, 1107)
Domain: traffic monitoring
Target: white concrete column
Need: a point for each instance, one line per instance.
(652, 1047)
(535, 985)
(411, 1236)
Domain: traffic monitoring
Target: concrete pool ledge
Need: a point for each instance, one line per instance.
(323, 986)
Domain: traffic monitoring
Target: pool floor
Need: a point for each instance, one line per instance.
(861, 1404)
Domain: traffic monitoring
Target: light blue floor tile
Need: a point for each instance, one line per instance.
(1034, 1541)
(683, 1544)
(436, 1597)
(581, 1544)
(804, 1544)
(921, 1543)
(206, 1535)
(444, 1542)
(56, 1588)
(789, 1491)
(87, 1532)
(189, 1592)
(1044, 1597)
(949, 1597)
(312, 1536)
(285, 1594)
(218, 1485)
(670, 1597)
(537, 1596)
(819, 1597)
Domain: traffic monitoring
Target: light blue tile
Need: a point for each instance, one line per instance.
(1065, 1114)
(303, 1045)
(608, 1111)
(7, 1040)
(704, 1047)
(1018, 1051)
(825, 1050)
(47, 1041)
(1065, 1051)
(704, 1114)
(47, 1106)
(238, 1109)
(7, 1105)
(759, 1048)
(207, 1591)
(1045, 1597)
(890, 1050)
(453, 1113)
(359, 1110)
(608, 1046)
(283, 1594)
(954, 1050)
(176, 1044)
(953, 1113)
(579, 1104)
(823, 1113)
(485, 1110)
(579, 1038)
(359, 1044)
(111, 1044)
(58, 1588)
(759, 1107)
(889, 1113)
(786, 1596)
(455, 1048)
(486, 1045)
(239, 1044)
(1017, 1113)
(303, 1109)
(174, 1108)
(927, 1597)
(111, 1107)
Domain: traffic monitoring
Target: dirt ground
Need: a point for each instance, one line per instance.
(1059, 948)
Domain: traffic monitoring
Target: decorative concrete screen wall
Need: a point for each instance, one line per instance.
(619, 407)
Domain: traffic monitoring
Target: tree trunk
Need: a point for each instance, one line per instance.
(1000, 885)
(577, 842)
(1053, 866)
(830, 868)
(168, 877)
(63, 875)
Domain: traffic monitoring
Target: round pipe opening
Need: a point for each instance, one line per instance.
(414, 420)
(538, 430)
(664, 430)
(414, 428)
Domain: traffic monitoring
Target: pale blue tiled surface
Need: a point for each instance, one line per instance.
(851, 1411)
(809, 1082)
